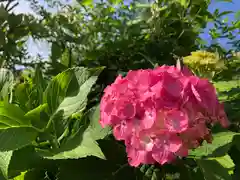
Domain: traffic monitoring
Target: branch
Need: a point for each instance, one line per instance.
(13, 6)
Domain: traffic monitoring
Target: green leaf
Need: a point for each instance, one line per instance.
(15, 128)
(14, 20)
(21, 94)
(77, 103)
(21, 176)
(36, 116)
(116, 1)
(56, 52)
(3, 12)
(96, 130)
(86, 2)
(80, 145)
(11, 115)
(5, 158)
(220, 145)
(57, 89)
(16, 137)
(2, 39)
(212, 170)
(6, 82)
(224, 13)
(39, 84)
(151, 172)
(24, 159)
(103, 170)
(184, 3)
(225, 161)
(237, 15)
(224, 1)
(76, 97)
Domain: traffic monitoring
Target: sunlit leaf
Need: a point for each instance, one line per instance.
(80, 145)
(219, 147)
(5, 158)
(6, 83)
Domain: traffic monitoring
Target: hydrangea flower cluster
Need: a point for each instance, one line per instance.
(161, 113)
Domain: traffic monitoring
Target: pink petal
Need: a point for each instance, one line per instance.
(176, 121)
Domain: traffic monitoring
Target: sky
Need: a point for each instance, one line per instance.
(42, 48)
(222, 6)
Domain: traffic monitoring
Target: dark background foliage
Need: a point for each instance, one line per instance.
(118, 37)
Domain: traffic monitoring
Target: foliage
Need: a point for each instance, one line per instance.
(49, 112)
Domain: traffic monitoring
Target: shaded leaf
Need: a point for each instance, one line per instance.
(2, 39)
(25, 159)
(14, 20)
(212, 170)
(16, 137)
(56, 52)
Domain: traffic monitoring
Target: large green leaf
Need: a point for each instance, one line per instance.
(77, 146)
(26, 159)
(77, 103)
(12, 116)
(15, 129)
(5, 158)
(219, 147)
(212, 170)
(16, 137)
(6, 82)
(76, 97)
(57, 89)
(97, 132)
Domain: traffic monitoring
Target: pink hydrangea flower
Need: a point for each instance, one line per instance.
(161, 113)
